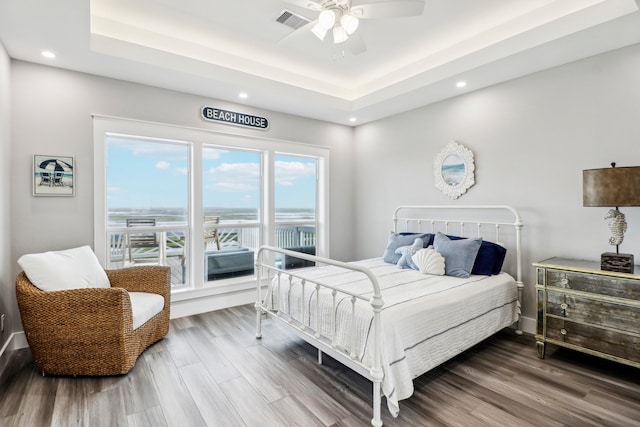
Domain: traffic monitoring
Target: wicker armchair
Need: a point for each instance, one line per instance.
(90, 331)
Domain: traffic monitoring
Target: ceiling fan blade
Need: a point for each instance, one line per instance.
(306, 4)
(388, 9)
(356, 45)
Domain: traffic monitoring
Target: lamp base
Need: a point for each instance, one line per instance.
(611, 261)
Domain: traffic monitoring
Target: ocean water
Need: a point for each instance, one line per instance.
(178, 216)
(453, 174)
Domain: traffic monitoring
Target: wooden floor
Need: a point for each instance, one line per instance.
(210, 370)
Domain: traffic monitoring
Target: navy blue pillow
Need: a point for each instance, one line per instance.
(428, 240)
(489, 259)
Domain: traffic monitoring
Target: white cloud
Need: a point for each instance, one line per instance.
(287, 172)
(212, 153)
(233, 177)
(240, 177)
(162, 165)
(150, 148)
(229, 187)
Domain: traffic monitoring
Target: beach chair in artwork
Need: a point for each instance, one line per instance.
(211, 233)
(45, 178)
(141, 247)
(57, 179)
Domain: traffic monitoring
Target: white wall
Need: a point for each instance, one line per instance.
(7, 292)
(51, 115)
(531, 139)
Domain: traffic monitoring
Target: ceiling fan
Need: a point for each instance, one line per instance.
(342, 18)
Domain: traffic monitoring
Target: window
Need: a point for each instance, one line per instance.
(204, 202)
(295, 206)
(147, 203)
(231, 196)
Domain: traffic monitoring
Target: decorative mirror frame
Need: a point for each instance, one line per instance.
(454, 182)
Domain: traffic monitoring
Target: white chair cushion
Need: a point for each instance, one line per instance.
(68, 269)
(144, 306)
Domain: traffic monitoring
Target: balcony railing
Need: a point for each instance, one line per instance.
(171, 245)
(290, 236)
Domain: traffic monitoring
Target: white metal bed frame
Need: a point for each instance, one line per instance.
(265, 264)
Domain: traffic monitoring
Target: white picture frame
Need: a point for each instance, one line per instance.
(53, 175)
(454, 170)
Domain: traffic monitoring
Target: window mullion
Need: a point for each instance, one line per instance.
(197, 209)
(268, 203)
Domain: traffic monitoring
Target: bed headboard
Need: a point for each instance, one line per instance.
(497, 223)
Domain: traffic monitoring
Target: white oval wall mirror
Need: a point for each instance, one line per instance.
(454, 170)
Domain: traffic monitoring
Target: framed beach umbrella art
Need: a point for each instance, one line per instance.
(53, 176)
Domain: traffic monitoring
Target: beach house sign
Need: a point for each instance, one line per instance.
(234, 118)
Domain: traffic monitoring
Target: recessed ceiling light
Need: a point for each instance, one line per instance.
(243, 95)
(461, 84)
(352, 119)
(48, 54)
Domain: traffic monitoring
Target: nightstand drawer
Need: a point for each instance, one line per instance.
(614, 343)
(596, 284)
(592, 310)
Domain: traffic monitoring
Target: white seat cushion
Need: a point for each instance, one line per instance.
(68, 269)
(144, 306)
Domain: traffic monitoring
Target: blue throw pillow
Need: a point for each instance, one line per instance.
(398, 240)
(459, 255)
(427, 240)
(489, 259)
(406, 252)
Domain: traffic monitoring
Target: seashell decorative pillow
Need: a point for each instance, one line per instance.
(429, 261)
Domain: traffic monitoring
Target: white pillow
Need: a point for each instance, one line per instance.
(69, 269)
(429, 261)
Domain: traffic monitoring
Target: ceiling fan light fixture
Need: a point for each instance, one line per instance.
(327, 19)
(349, 23)
(319, 31)
(339, 34)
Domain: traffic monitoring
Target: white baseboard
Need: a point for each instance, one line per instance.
(206, 303)
(528, 325)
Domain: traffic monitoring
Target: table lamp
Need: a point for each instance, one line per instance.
(613, 187)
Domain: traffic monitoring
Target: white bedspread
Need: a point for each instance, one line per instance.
(426, 319)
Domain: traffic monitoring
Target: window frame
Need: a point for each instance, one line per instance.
(198, 138)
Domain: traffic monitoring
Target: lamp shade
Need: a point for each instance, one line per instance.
(349, 23)
(319, 31)
(611, 187)
(327, 19)
(339, 34)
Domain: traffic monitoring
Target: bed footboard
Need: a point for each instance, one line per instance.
(270, 277)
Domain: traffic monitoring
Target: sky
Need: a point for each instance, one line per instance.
(144, 174)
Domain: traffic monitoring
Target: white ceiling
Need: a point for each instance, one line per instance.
(218, 48)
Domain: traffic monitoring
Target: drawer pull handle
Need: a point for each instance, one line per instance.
(564, 281)
(563, 306)
(563, 331)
